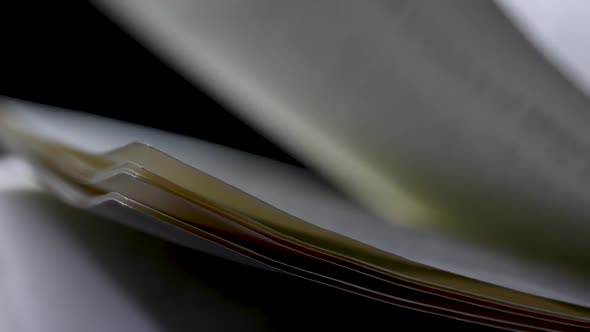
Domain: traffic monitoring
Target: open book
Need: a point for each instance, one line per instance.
(460, 149)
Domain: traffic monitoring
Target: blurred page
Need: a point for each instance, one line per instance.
(427, 113)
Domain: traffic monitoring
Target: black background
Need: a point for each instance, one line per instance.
(68, 54)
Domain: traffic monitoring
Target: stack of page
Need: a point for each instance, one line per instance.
(241, 214)
(460, 153)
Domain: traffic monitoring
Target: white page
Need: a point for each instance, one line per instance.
(48, 283)
(559, 29)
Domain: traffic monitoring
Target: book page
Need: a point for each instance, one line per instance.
(429, 114)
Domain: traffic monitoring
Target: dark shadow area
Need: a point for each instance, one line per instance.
(70, 55)
(181, 289)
